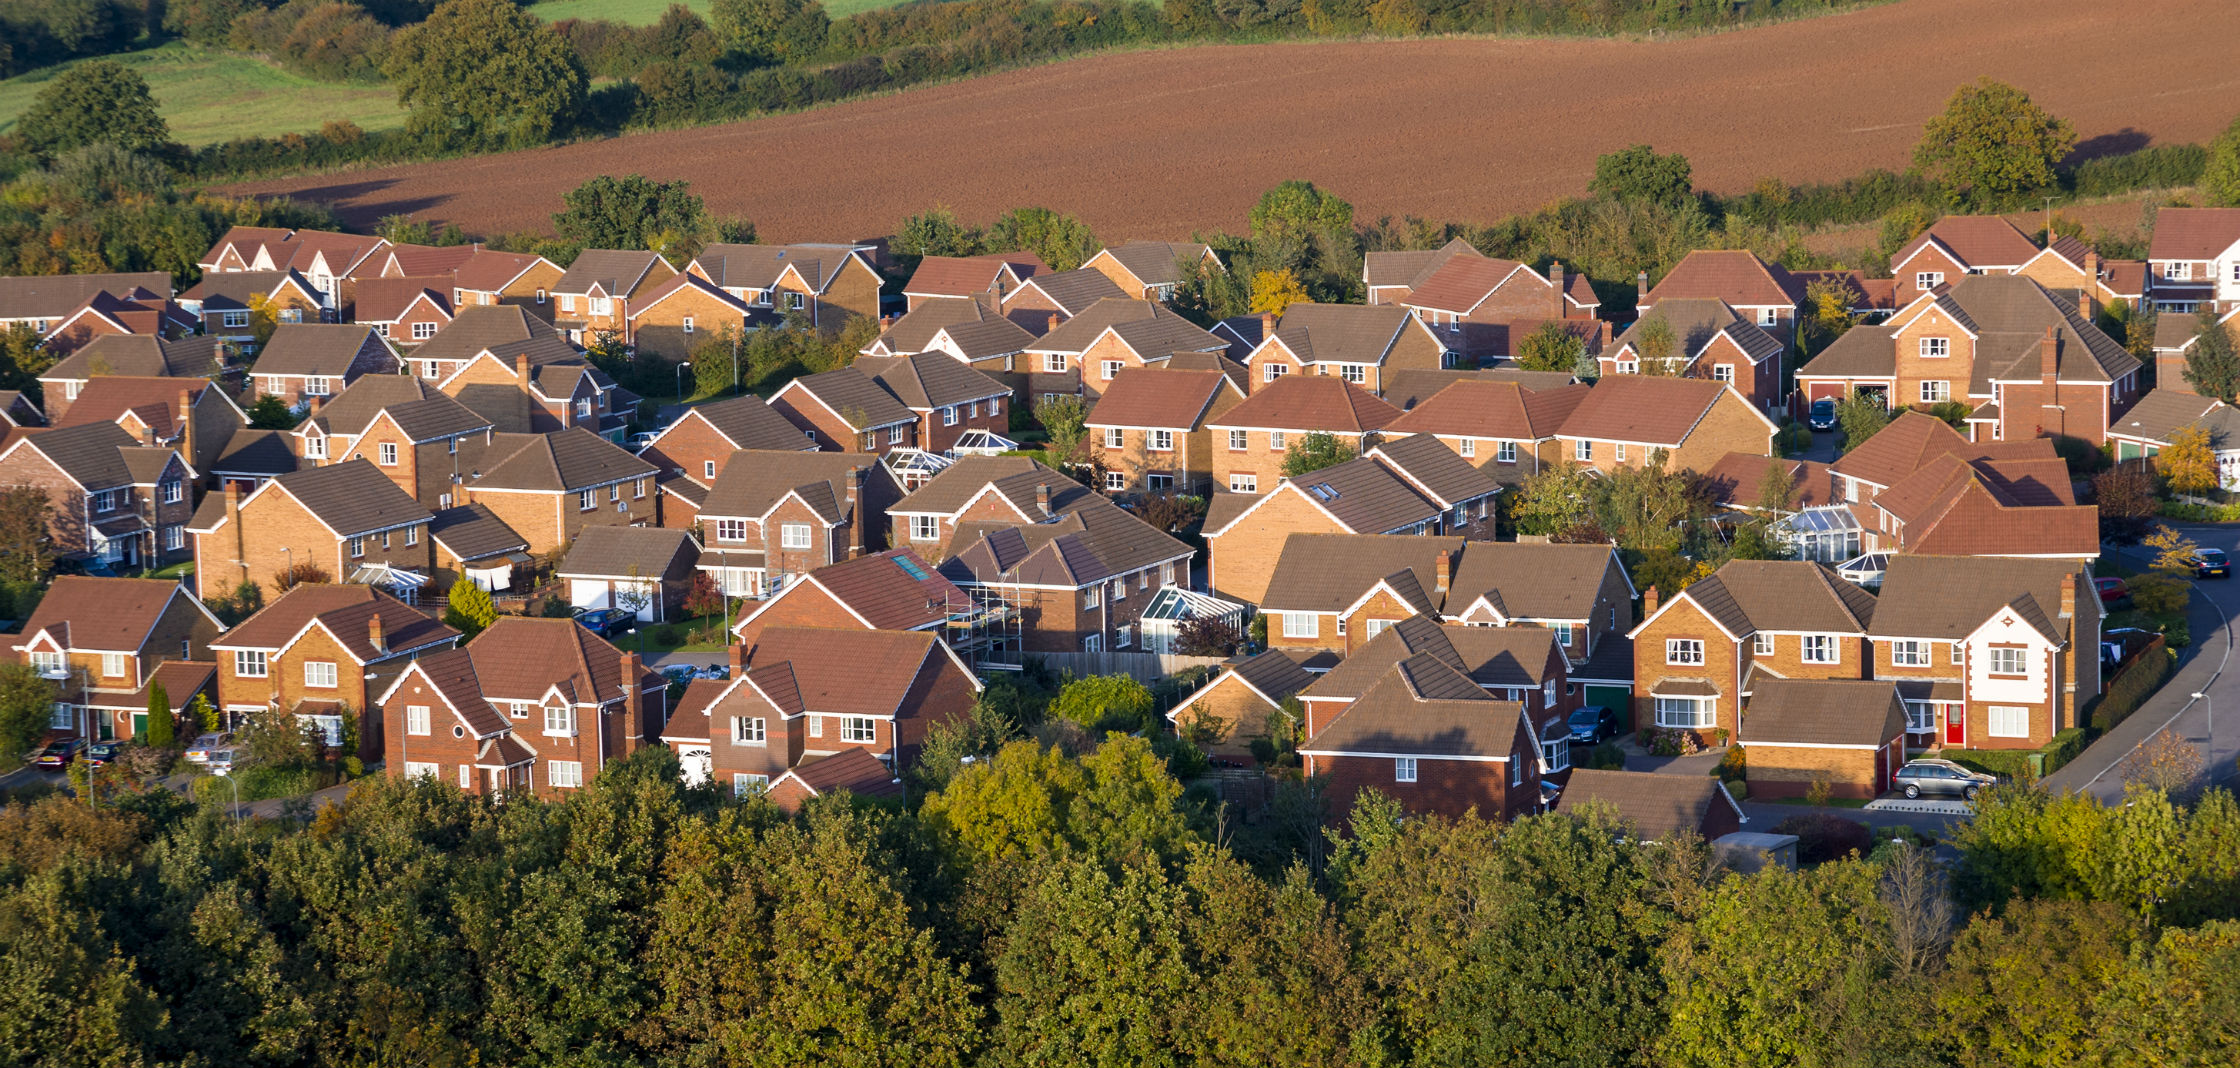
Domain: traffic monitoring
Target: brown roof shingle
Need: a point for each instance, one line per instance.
(1822, 712)
(1309, 403)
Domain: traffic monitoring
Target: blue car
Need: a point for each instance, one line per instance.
(606, 622)
(1822, 415)
(1593, 724)
(2210, 563)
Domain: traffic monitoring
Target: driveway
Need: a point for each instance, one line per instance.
(1823, 448)
(2201, 670)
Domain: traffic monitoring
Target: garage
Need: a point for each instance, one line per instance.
(1846, 734)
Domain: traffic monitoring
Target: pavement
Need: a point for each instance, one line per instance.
(2201, 670)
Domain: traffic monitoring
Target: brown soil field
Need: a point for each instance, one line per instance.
(1161, 143)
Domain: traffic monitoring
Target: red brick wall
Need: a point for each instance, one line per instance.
(802, 605)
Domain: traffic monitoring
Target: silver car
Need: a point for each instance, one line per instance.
(1942, 778)
(198, 752)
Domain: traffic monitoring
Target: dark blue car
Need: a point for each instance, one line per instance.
(1822, 415)
(606, 622)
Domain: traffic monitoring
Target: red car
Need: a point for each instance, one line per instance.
(2112, 591)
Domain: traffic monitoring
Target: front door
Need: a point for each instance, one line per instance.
(1956, 726)
(139, 724)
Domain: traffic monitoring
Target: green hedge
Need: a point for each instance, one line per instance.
(2131, 686)
(2023, 765)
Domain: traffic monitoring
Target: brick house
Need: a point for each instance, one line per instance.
(647, 570)
(1112, 335)
(1919, 486)
(1580, 593)
(549, 487)
(668, 319)
(319, 361)
(965, 329)
(2174, 337)
(2194, 259)
(1148, 432)
(846, 410)
(191, 416)
(116, 501)
(1521, 664)
(2151, 425)
(1411, 486)
(1354, 343)
(1709, 341)
(773, 515)
(970, 278)
(2074, 272)
(325, 258)
(185, 359)
(853, 771)
(892, 590)
(513, 279)
(1051, 298)
(1337, 592)
(133, 313)
(828, 284)
(412, 261)
(503, 332)
(1391, 277)
(947, 397)
(1238, 702)
(428, 447)
(800, 696)
(474, 545)
(1659, 808)
(533, 706)
(1153, 270)
(1846, 733)
(1696, 656)
(2023, 361)
(1988, 654)
(320, 652)
(541, 398)
(1625, 420)
(107, 642)
(1251, 438)
(1432, 739)
(45, 302)
(1955, 247)
(225, 305)
(405, 311)
(346, 519)
(1507, 430)
(595, 292)
(1406, 390)
(1479, 306)
(691, 450)
(1762, 293)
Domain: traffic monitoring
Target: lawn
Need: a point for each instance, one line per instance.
(208, 96)
(647, 12)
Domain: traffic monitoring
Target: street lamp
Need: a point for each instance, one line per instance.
(228, 777)
(2211, 704)
(680, 380)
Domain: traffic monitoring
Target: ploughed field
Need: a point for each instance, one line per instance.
(1161, 143)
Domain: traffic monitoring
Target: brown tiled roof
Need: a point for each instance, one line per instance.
(1088, 540)
(106, 614)
(353, 497)
(1409, 267)
(562, 461)
(316, 348)
(1309, 403)
(1409, 387)
(853, 770)
(2163, 412)
(893, 590)
(1422, 707)
(1072, 291)
(1696, 324)
(452, 673)
(1785, 595)
(930, 380)
(957, 485)
(1478, 408)
(967, 276)
(235, 289)
(846, 672)
(256, 452)
(1463, 282)
(1343, 333)
(1734, 480)
(1273, 672)
(504, 329)
(1367, 496)
(751, 482)
(1822, 712)
(1434, 470)
(987, 338)
(1223, 507)
(688, 722)
(748, 423)
(92, 454)
(137, 354)
(2009, 316)
(1867, 294)
(1658, 806)
(488, 271)
(55, 296)
(1643, 408)
(353, 409)
(435, 417)
(853, 395)
(1979, 241)
(385, 300)
(1532, 580)
(622, 552)
(617, 271)
(759, 266)
(1945, 598)
(474, 532)
(1901, 448)
(914, 331)
(1087, 325)
(181, 681)
(645, 301)
(1157, 263)
(154, 400)
(1160, 399)
(2193, 233)
(1329, 572)
(1973, 513)
(1736, 276)
(1209, 361)
(519, 658)
(346, 612)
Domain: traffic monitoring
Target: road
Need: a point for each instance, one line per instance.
(2201, 670)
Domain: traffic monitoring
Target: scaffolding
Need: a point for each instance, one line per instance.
(988, 630)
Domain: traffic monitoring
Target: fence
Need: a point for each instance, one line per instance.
(1143, 667)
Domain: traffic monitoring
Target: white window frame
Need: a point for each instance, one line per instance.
(174, 491)
(1054, 363)
(321, 675)
(2020, 657)
(1722, 372)
(949, 415)
(687, 324)
(925, 528)
(1159, 441)
(744, 784)
(1821, 649)
(1582, 451)
(587, 500)
(1106, 369)
(1684, 651)
(250, 664)
(1273, 371)
(1353, 372)
(1277, 442)
(1935, 348)
(1238, 441)
(1243, 482)
(50, 663)
(1505, 452)
(314, 447)
(1926, 280)
(1115, 481)
(750, 730)
(417, 719)
(859, 730)
(2017, 723)
(388, 454)
(1909, 653)
(1467, 448)
(1404, 769)
(566, 774)
(731, 530)
(1686, 712)
(793, 536)
(1761, 644)
(559, 721)
(1301, 625)
(1115, 438)
(423, 331)
(1935, 391)
(116, 665)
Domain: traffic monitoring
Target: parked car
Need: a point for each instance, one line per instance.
(58, 754)
(606, 622)
(220, 760)
(1822, 415)
(1593, 724)
(642, 439)
(199, 751)
(1943, 778)
(2113, 592)
(100, 753)
(2210, 563)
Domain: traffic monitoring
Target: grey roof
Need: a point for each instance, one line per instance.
(1366, 496)
(1329, 572)
(1422, 707)
(1487, 656)
(353, 409)
(474, 532)
(146, 463)
(758, 266)
(436, 416)
(1946, 598)
(1273, 672)
(1157, 263)
(2009, 316)
(1533, 580)
(2163, 412)
(931, 380)
(1409, 267)
(621, 552)
(617, 271)
(957, 485)
(55, 296)
(353, 497)
(261, 453)
(504, 329)
(1658, 806)
(1822, 712)
(315, 349)
(1086, 539)
(753, 480)
(1698, 322)
(914, 331)
(1435, 468)
(988, 338)
(1785, 595)
(90, 453)
(1341, 333)
(566, 460)
(749, 423)
(142, 356)
(853, 395)
(235, 289)
(1079, 332)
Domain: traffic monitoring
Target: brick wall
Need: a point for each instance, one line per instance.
(1731, 425)
(1789, 771)
(1912, 368)
(991, 415)
(1242, 712)
(1929, 259)
(1720, 667)
(801, 605)
(1241, 561)
(1260, 458)
(658, 331)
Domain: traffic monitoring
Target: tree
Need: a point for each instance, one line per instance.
(2188, 463)
(1638, 174)
(97, 100)
(1657, 348)
(1206, 636)
(1066, 420)
(704, 598)
(484, 74)
(270, 412)
(628, 212)
(263, 321)
(297, 574)
(1315, 450)
(2166, 763)
(771, 31)
(470, 609)
(1551, 348)
(1556, 500)
(1827, 311)
(1273, 291)
(162, 728)
(2023, 988)
(1993, 143)
(2212, 361)
(26, 706)
(1105, 702)
(1061, 241)
(2174, 552)
(935, 233)
(1860, 416)
(2220, 177)
(2125, 494)
(26, 547)
(1295, 210)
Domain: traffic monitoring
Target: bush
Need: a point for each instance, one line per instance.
(1606, 757)
(1735, 765)
(2131, 687)
(1796, 437)
(1822, 837)
(2019, 765)
(1738, 789)
(2063, 748)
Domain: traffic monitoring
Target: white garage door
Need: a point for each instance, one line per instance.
(587, 593)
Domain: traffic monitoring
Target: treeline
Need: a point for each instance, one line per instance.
(100, 209)
(1041, 907)
(36, 33)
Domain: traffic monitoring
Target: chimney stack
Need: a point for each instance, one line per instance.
(857, 519)
(1555, 284)
(1267, 325)
(1641, 288)
(2069, 596)
(233, 522)
(147, 436)
(633, 704)
(312, 404)
(736, 655)
(1648, 603)
(2091, 266)
(1042, 498)
(2049, 356)
(1054, 321)
(1443, 572)
(375, 637)
(186, 425)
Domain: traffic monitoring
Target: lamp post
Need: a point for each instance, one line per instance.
(2205, 699)
(228, 777)
(680, 380)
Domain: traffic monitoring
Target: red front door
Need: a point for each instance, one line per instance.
(1956, 726)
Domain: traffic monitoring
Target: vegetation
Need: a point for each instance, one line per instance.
(1551, 348)
(2189, 464)
(208, 96)
(1315, 450)
(1860, 416)
(469, 609)
(1993, 143)
(2213, 361)
(100, 100)
(2220, 176)
(1638, 174)
(482, 74)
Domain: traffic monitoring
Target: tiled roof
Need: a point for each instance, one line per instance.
(853, 770)
(759, 266)
(1643, 408)
(1156, 263)
(2163, 412)
(55, 296)
(1945, 598)
(616, 271)
(1087, 325)
(1785, 595)
(1150, 398)
(930, 380)
(91, 454)
(688, 721)
(1463, 282)
(1822, 712)
(2010, 316)
(751, 482)
(748, 423)
(1410, 267)
(1422, 707)
(845, 672)
(562, 461)
(645, 301)
(1434, 470)
(851, 394)
(1343, 333)
(1658, 806)
(261, 453)
(1478, 408)
(1072, 291)
(353, 497)
(1696, 324)
(893, 590)
(352, 410)
(1309, 403)
(914, 331)
(1735, 276)
(1734, 481)
(1367, 496)
(109, 614)
(1533, 580)
(1209, 361)
(346, 611)
(155, 401)
(967, 276)
(452, 673)
(488, 271)
(520, 658)
(987, 338)
(474, 532)
(1980, 241)
(385, 300)
(315, 348)
(1408, 387)
(504, 329)
(624, 552)
(435, 417)
(1908, 444)
(957, 485)
(1973, 511)
(1223, 507)
(1329, 572)
(235, 289)
(141, 355)
(1088, 540)
(2193, 233)
(1273, 672)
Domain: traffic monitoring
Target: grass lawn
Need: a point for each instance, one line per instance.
(175, 571)
(210, 96)
(647, 12)
(654, 633)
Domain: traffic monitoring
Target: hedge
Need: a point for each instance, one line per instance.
(2023, 765)
(2132, 685)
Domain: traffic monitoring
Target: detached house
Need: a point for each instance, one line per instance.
(1918, 485)
(134, 312)
(2074, 272)
(428, 447)
(531, 706)
(802, 699)
(536, 396)
(1508, 431)
(186, 359)
(503, 333)
(774, 515)
(892, 590)
(2150, 425)
(1957, 246)
(1149, 431)
(1355, 343)
(406, 311)
(1250, 440)
(1579, 593)
(45, 302)
(191, 416)
(846, 410)
(1697, 655)
(550, 487)
(966, 330)
(2194, 260)
(116, 502)
(1764, 294)
(690, 451)
(225, 304)
(320, 653)
(1625, 420)
(1112, 336)
(1391, 277)
(105, 643)
(1040, 303)
(512, 278)
(326, 258)
(1988, 654)
(947, 397)
(2175, 334)
(971, 278)
(1238, 702)
(1706, 340)
(828, 284)
(1481, 306)
(1153, 270)
(347, 520)
(320, 361)
(595, 294)
(1337, 592)
(669, 318)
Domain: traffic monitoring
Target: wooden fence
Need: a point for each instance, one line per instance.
(1143, 667)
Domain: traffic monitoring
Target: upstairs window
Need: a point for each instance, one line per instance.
(1935, 348)
(1821, 649)
(1685, 651)
(249, 663)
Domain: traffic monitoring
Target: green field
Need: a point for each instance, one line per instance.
(646, 12)
(209, 96)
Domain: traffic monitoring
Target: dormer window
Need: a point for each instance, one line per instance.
(314, 447)
(49, 663)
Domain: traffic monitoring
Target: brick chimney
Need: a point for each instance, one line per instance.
(633, 705)
(233, 523)
(2069, 596)
(1267, 325)
(186, 424)
(2049, 363)
(2091, 266)
(1054, 320)
(1555, 285)
(375, 637)
(857, 519)
(147, 436)
(312, 405)
(1648, 603)
(1042, 498)
(736, 654)
(1442, 573)
(1641, 287)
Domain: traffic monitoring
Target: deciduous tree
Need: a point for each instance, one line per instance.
(935, 233)
(1105, 702)
(1551, 348)
(2173, 552)
(1638, 173)
(628, 212)
(26, 705)
(1657, 348)
(2188, 463)
(2220, 177)
(96, 100)
(1296, 210)
(1860, 416)
(1066, 420)
(26, 547)
(1062, 241)
(2213, 360)
(1273, 291)
(1992, 143)
(1315, 450)
(484, 74)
